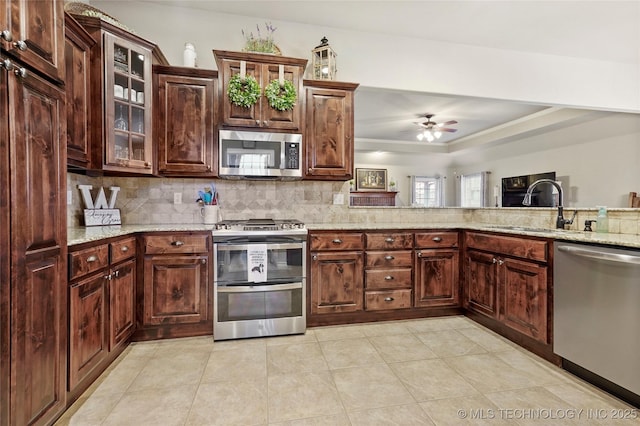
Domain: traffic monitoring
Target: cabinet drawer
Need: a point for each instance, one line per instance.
(510, 246)
(390, 240)
(122, 249)
(83, 262)
(436, 239)
(175, 243)
(392, 299)
(388, 278)
(337, 241)
(387, 259)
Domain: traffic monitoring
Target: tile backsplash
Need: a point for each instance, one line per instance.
(145, 201)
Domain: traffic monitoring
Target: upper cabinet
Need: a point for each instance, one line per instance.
(121, 99)
(329, 129)
(184, 111)
(33, 32)
(265, 69)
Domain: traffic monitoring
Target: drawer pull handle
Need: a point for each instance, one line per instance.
(389, 240)
(388, 299)
(389, 257)
(124, 249)
(177, 243)
(437, 239)
(92, 258)
(388, 277)
(337, 241)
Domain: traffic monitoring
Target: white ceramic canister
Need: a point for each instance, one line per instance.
(189, 55)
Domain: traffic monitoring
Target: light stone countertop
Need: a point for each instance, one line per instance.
(82, 235)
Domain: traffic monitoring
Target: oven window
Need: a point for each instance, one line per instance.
(252, 305)
(235, 264)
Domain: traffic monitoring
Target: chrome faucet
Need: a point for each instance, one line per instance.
(560, 220)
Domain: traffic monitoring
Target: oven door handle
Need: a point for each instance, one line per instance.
(259, 288)
(270, 246)
(265, 240)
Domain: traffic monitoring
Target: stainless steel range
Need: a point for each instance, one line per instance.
(259, 278)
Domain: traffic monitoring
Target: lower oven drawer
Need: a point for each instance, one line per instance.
(391, 299)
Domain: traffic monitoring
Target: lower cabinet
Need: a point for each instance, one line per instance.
(336, 269)
(437, 270)
(101, 307)
(507, 280)
(175, 297)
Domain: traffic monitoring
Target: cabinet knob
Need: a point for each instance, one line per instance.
(20, 45)
(389, 257)
(258, 122)
(494, 260)
(419, 254)
(107, 277)
(6, 64)
(92, 258)
(437, 239)
(266, 123)
(388, 278)
(389, 240)
(314, 257)
(177, 243)
(388, 299)
(117, 273)
(337, 241)
(208, 166)
(124, 249)
(340, 269)
(6, 34)
(203, 261)
(147, 164)
(20, 72)
(500, 262)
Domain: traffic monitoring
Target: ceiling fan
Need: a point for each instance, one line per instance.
(432, 130)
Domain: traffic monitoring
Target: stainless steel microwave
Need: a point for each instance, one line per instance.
(254, 155)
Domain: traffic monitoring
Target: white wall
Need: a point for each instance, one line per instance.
(379, 60)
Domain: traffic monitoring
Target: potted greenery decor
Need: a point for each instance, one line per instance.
(261, 43)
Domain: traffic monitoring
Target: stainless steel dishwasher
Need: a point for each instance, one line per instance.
(596, 315)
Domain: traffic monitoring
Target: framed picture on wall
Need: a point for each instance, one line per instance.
(371, 179)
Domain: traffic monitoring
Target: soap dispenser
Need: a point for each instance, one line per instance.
(602, 222)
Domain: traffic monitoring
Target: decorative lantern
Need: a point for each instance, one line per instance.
(323, 61)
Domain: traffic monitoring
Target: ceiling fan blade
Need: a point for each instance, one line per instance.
(444, 129)
(448, 123)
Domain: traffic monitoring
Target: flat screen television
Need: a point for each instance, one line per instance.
(514, 188)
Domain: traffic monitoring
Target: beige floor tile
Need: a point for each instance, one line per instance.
(392, 328)
(350, 353)
(153, 407)
(230, 403)
(439, 324)
(432, 379)
(403, 347)
(300, 396)
(488, 373)
(370, 387)
(189, 344)
(295, 358)
(225, 345)
(167, 372)
(338, 333)
(308, 337)
(89, 411)
(534, 406)
(475, 410)
(541, 372)
(448, 343)
(407, 415)
(332, 420)
(143, 349)
(586, 397)
(117, 380)
(488, 340)
(236, 364)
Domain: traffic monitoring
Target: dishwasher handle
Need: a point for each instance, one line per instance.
(600, 255)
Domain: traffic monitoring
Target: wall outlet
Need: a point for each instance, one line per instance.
(69, 198)
(177, 198)
(338, 198)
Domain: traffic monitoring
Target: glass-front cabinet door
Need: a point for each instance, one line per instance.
(127, 106)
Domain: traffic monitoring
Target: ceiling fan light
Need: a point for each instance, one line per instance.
(420, 136)
(429, 136)
(437, 134)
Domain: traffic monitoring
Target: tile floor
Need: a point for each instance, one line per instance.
(440, 371)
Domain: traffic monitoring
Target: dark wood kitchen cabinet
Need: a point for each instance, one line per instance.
(328, 132)
(175, 297)
(33, 33)
(78, 44)
(184, 119)
(437, 269)
(388, 271)
(101, 307)
(264, 68)
(121, 99)
(33, 251)
(507, 279)
(337, 268)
